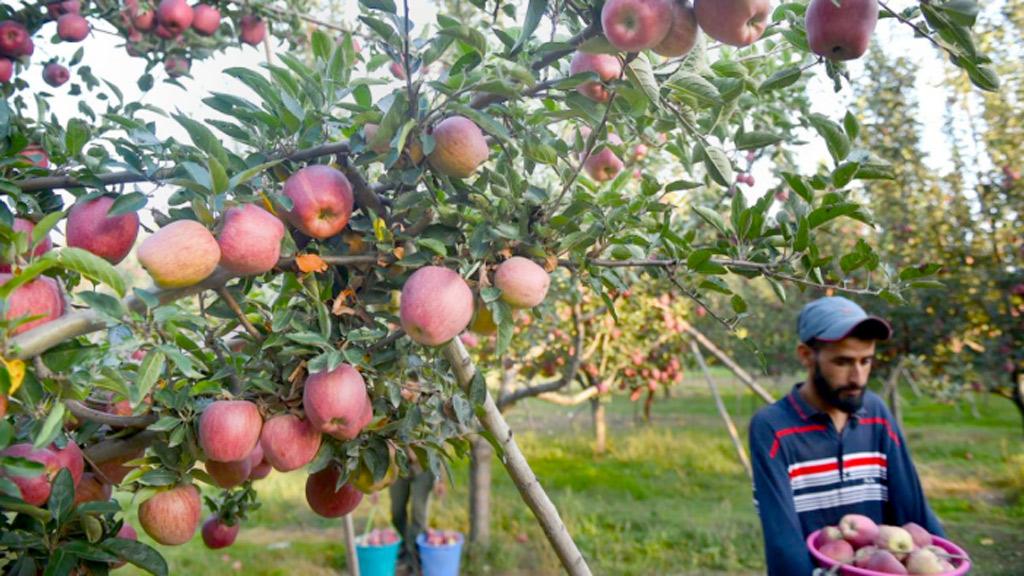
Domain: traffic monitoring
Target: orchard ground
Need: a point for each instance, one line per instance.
(669, 497)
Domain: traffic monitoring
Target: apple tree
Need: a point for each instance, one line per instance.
(334, 227)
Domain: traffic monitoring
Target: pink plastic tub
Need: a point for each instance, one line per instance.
(962, 566)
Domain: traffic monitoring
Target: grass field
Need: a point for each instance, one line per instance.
(668, 497)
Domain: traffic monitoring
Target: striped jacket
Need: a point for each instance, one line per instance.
(807, 476)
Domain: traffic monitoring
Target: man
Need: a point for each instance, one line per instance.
(831, 447)
(415, 491)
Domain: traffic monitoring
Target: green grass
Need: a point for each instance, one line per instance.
(668, 497)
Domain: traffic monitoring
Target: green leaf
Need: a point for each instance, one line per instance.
(534, 13)
(851, 125)
(842, 175)
(250, 173)
(127, 204)
(149, 372)
(138, 554)
(695, 86)
(837, 141)
(203, 137)
(717, 164)
(780, 79)
(76, 136)
(322, 45)
(42, 229)
(218, 176)
(711, 217)
(830, 212)
(62, 496)
(641, 74)
(756, 139)
(93, 267)
(27, 274)
(51, 427)
(739, 305)
(434, 245)
(104, 303)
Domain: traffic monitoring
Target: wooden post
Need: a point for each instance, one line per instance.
(722, 411)
(350, 546)
(480, 490)
(600, 426)
(892, 395)
(517, 467)
(729, 362)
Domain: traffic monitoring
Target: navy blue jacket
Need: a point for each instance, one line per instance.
(807, 476)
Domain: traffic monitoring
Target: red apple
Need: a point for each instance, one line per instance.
(826, 534)
(734, 22)
(250, 240)
(217, 534)
(40, 296)
(114, 469)
(72, 28)
(253, 30)
(883, 561)
(14, 39)
(145, 21)
(26, 226)
(920, 536)
(175, 15)
(895, 540)
(459, 147)
(607, 66)
(288, 442)
(35, 490)
(258, 465)
(71, 458)
(126, 533)
(176, 66)
(55, 74)
(838, 550)
(840, 32)
(322, 201)
(58, 9)
(336, 402)
(205, 19)
(397, 70)
(682, 34)
(229, 474)
(523, 283)
(469, 340)
(92, 489)
(605, 165)
(229, 430)
(6, 70)
(326, 499)
(172, 516)
(182, 253)
(858, 529)
(634, 25)
(90, 228)
(436, 305)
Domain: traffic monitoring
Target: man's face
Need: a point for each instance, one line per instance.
(840, 370)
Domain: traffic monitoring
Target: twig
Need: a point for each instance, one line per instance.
(914, 26)
(588, 149)
(230, 300)
(86, 413)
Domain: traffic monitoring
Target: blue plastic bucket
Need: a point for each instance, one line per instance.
(439, 560)
(378, 560)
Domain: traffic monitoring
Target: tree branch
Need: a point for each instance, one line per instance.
(226, 296)
(570, 371)
(113, 448)
(84, 412)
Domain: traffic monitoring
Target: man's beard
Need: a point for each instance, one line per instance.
(832, 396)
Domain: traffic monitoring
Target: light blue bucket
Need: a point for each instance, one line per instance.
(378, 560)
(439, 560)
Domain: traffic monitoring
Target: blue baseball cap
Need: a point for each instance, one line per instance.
(834, 318)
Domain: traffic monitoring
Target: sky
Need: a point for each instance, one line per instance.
(106, 56)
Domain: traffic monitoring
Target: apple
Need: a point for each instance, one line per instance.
(126, 532)
(92, 489)
(229, 430)
(883, 561)
(288, 442)
(483, 321)
(436, 305)
(172, 516)
(14, 39)
(861, 556)
(175, 16)
(55, 74)
(322, 201)
(362, 478)
(639, 152)
(895, 540)
(336, 402)
(71, 458)
(26, 226)
(413, 148)
(634, 25)
(58, 8)
(72, 28)
(858, 530)
(682, 33)
(205, 19)
(924, 561)
(838, 550)
(182, 253)
(840, 32)
(252, 30)
(459, 147)
(920, 536)
(229, 474)
(176, 66)
(469, 340)
(608, 67)
(397, 70)
(258, 465)
(90, 228)
(604, 165)
(6, 70)
(250, 240)
(35, 490)
(523, 282)
(146, 21)
(40, 296)
(217, 534)
(325, 497)
(114, 469)
(734, 22)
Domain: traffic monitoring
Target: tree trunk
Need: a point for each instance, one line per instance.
(892, 394)
(480, 491)
(1018, 393)
(600, 426)
(350, 546)
(722, 411)
(518, 468)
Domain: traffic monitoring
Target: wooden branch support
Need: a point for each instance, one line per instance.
(891, 392)
(517, 467)
(729, 362)
(350, 546)
(740, 451)
(567, 400)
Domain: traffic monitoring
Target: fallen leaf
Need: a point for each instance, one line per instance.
(310, 263)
